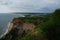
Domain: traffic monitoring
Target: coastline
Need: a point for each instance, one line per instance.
(7, 30)
(8, 18)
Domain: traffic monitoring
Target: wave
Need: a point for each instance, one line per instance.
(7, 30)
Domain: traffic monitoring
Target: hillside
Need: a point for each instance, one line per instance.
(42, 28)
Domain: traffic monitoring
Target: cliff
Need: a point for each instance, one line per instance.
(19, 28)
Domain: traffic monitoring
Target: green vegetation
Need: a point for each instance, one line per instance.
(35, 20)
(47, 27)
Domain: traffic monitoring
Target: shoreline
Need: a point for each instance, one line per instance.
(7, 30)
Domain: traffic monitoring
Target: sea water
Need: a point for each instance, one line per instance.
(5, 20)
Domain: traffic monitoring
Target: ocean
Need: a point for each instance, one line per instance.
(5, 19)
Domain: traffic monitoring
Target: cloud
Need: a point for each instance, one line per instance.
(45, 6)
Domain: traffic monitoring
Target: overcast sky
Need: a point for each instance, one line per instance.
(44, 6)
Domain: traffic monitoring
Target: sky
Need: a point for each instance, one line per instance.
(40, 6)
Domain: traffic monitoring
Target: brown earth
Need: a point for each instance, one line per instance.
(21, 26)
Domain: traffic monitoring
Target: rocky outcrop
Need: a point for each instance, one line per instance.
(28, 27)
(21, 27)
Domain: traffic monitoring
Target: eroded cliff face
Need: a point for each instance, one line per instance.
(21, 27)
(18, 28)
(28, 27)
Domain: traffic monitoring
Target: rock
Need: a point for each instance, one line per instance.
(28, 27)
(21, 27)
